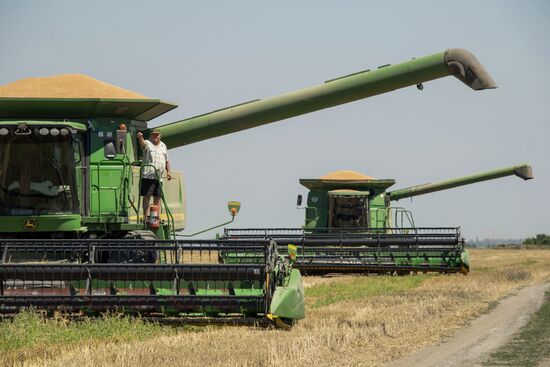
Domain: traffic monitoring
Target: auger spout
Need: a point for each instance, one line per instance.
(457, 62)
(463, 64)
(523, 171)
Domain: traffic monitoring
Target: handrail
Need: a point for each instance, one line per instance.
(396, 211)
(402, 211)
(207, 229)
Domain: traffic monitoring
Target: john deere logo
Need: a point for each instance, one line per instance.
(29, 224)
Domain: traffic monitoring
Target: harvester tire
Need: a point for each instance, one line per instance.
(150, 257)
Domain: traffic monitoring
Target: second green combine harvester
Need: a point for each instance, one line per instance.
(350, 226)
(69, 183)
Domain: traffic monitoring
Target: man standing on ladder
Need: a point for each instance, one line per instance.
(155, 163)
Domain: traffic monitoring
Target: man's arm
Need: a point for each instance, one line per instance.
(141, 141)
(168, 175)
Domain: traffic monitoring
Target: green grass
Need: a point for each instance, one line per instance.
(528, 262)
(326, 294)
(29, 330)
(530, 345)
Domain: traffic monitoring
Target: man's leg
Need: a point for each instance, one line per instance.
(156, 201)
(156, 195)
(146, 202)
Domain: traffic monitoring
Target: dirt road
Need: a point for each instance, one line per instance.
(471, 345)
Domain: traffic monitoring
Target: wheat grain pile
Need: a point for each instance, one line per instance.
(65, 86)
(346, 175)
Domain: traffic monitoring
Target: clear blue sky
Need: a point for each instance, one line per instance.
(207, 55)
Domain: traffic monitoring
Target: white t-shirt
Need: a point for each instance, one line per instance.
(155, 155)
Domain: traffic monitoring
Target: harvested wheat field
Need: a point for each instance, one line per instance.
(351, 321)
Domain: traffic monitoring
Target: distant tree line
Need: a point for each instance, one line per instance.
(539, 239)
(493, 242)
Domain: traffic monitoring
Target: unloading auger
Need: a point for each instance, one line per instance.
(69, 183)
(350, 226)
(386, 78)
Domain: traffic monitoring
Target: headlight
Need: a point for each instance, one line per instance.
(64, 132)
(54, 131)
(43, 131)
(4, 131)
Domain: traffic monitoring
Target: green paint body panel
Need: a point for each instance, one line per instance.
(379, 213)
(43, 223)
(289, 300)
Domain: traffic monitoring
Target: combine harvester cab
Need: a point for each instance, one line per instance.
(350, 226)
(188, 280)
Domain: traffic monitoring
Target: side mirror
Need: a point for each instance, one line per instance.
(76, 151)
(109, 149)
(299, 200)
(121, 141)
(233, 207)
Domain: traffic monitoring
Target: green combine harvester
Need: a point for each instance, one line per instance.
(350, 226)
(71, 235)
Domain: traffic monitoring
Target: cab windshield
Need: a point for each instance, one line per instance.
(349, 212)
(37, 174)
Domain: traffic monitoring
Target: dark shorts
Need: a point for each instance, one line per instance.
(150, 187)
